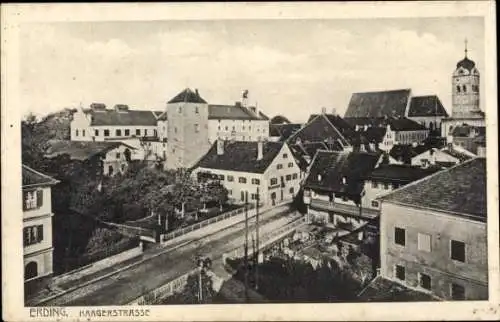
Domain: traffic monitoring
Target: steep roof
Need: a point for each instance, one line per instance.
(300, 156)
(232, 112)
(460, 155)
(396, 123)
(103, 117)
(187, 96)
(378, 104)
(32, 178)
(466, 63)
(329, 168)
(459, 190)
(426, 106)
(320, 129)
(240, 156)
(283, 131)
(398, 173)
(81, 150)
(405, 152)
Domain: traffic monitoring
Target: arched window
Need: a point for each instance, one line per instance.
(31, 270)
(464, 88)
(458, 88)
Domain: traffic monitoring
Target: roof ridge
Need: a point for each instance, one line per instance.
(335, 128)
(53, 180)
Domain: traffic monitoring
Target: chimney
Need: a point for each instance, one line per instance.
(237, 104)
(323, 110)
(334, 111)
(260, 150)
(220, 146)
(196, 92)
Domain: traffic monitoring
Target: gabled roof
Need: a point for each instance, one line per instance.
(300, 156)
(283, 131)
(378, 104)
(405, 152)
(240, 156)
(81, 150)
(32, 178)
(233, 112)
(399, 173)
(329, 168)
(109, 117)
(426, 106)
(163, 116)
(460, 190)
(320, 129)
(187, 96)
(460, 155)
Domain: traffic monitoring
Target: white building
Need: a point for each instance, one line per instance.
(99, 124)
(37, 224)
(244, 166)
(446, 157)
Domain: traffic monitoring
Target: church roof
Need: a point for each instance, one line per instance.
(379, 104)
(429, 105)
(188, 96)
(466, 63)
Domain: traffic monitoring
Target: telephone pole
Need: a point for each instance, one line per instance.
(257, 241)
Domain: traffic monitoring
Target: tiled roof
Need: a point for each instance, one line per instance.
(329, 168)
(467, 130)
(283, 131)
(188, 96)
(279, 119)
(384, 290)
(379, 104)
(320, 129)
(240, 156)
(398, 173)
(33, 178)
(163, 116)
(457, 190)
(405, 152)
(232, 112)
(426, 106)
(396, 123)
(462, 156)
(80, 150)
(300, 156)
(104, 117)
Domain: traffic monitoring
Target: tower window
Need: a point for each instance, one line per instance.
(458, 88)
(464, 88)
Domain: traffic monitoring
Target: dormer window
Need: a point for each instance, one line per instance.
(344, 180)
(319, 177)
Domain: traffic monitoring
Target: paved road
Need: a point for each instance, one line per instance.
(127, 285)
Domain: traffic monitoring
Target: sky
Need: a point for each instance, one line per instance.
(290, 67)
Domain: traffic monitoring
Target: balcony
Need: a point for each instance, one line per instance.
(350, 210)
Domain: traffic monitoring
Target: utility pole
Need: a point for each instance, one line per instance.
(246, 246)
(257, 241)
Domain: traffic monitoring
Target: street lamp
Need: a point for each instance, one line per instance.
(204, 264)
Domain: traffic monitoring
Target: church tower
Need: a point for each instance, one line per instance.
(465, 89)
(187, 130)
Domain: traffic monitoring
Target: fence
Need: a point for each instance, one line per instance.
(154, 296)
(267, 239)
(204, 223)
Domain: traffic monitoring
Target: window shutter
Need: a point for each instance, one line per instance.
(39, 198)
(39, 233)
(25, 197)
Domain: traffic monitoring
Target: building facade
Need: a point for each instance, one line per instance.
(37, 224)
(433, 233)
(244, 166)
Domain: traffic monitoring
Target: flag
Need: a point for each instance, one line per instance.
(245, 93)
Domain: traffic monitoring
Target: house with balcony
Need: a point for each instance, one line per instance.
(334, 189)
(243, 167)
(433, 233)
(37, 224)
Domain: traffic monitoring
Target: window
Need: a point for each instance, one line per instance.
(424, 242)
(145, 132)
(230, 178)
(374, 204)
(242, 180)
(106, 132)
(400, 272)
(233, 128)
(127, 132)
(138, 132)
(457, 292)
(290, 164)
(344, 198)
(83, 132)
(292, 190)
(399, 236)
(96, 132)
(117, 155)
(255, 181)
(294, 176)
(226, 128)
(285, 155)
(374, 185)
(76, 132)
(32, 235)
(288, 177)
(179, 110)
(274, 181)
(175, 129)
(230, 192)
(279, 166)
(424, 281)
(464, 88)
(457, 251)
(118, 132)
(196, 110)
(32, 199)
(253, 196)
(221, 177)
(386, 186)
(197, 128)
(218, 128)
